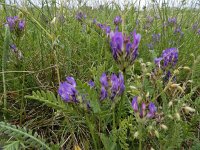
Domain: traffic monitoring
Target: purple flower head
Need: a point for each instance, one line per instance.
(108, 29)
(150, 46)
(156, 37)
(172, 20)
(170, 56)
(104, 93)
(67, 90)
(149, 19)
(116, 44)
(142, 111)
(80, 16)
(94, 21)
(71, 81)
(152, 110)
(121, 83)
(13, 48)
(135, 104)
(115, 87)
(122, 46)
(157, 61)
(137, 22)
(21, 25)
(104, 80)
(198, 31)
(11, 21)
(91, 83)
(195, 26)
(117, 20)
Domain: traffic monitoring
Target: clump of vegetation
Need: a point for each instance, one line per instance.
(99, 78)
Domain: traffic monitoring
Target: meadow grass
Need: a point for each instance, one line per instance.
(54, 44)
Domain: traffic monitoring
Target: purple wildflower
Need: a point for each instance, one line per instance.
(137, 22)
(17, 52)
(152, 110)
(150, 46)
(115, 87)
(157, 61)
(156, 37)
(80, 16)
(135, 104)
(104, 93)
(143, 109)
(198, 31)
(104, 80)
(91, 83)
(170, 56)
(67, 90)
(149, 19)
(172, 20)
(21, 24)
(13, 48)
(195, 26)
(122, 46)
(94, 21)
(117, 20)
(11, 21)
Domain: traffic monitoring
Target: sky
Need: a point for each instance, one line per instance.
(94, 3)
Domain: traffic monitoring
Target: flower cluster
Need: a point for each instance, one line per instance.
(16, 51)
(169, 58)
(111, 86)
(15, 23)
(142, 110)
(80, 16)
(67, 90)
(172, 21)
(123, 50)
(156, 37)
(117, 20)
(104, 27)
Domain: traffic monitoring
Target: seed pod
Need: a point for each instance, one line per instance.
(164, 127)
(136, 134)
(186, 68)
(177, 116)
(170, 104)
(156, 133)
(188, 109)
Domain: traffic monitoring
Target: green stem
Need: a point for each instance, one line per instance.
(4, 60)
(114, 118)
(140, 144)
(91, 129)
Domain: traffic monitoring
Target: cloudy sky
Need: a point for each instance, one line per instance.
(95, 3)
